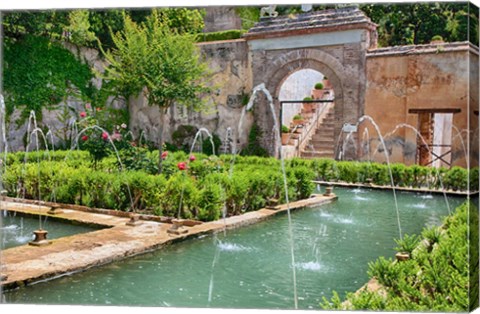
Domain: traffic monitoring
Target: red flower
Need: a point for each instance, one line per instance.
(182, 166)
(105, 135)
(192, 158)
(164, 155)
(84, 138)
(99, 109)
(83, 114)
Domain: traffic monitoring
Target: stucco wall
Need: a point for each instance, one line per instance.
(422, 77)
(228, 60)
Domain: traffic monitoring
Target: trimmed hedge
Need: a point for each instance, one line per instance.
(206, 188)
(455, 178)
(222, 35)
(210, 185)
(435, 278)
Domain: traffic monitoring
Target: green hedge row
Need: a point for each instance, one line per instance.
(455, 178)
(222, 35)
(206, 188)
(435, 278)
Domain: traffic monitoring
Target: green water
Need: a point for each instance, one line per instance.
(251, 266)
(18, 230)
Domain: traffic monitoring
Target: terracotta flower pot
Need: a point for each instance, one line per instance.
(285, 137)
(317, 93)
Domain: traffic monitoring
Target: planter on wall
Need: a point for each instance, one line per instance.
(317, 93)
(285, 138)
(327, 84)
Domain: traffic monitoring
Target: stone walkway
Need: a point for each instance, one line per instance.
(23, 265)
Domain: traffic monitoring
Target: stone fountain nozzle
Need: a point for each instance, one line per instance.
(328, 190)
(40, 238)
(177, 227)
(134, 220)
(55, 209)
(3, 194)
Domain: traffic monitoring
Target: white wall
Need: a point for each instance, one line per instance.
(296, 87)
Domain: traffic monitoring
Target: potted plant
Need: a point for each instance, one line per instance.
(326, 83)
(437, 39)
(308, 107)
(317, 91)
(285, 134)
(298, 120)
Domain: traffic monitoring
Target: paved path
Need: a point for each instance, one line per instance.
(23, 265)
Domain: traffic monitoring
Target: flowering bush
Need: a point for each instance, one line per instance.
(95, 138)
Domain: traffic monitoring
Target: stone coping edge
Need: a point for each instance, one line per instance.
(195, 231)
(397, 188)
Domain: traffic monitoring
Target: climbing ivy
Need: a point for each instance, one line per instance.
(39, 73)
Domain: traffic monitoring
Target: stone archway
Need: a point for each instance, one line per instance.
(314, 60)
(280, 47)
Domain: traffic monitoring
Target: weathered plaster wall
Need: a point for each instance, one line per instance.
(221, 19)
(474, 108)
(421, 77)
(231, 79)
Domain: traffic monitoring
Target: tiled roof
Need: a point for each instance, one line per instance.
(325, 19)
(421, 49)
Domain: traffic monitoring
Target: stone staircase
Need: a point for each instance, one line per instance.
(322, 143)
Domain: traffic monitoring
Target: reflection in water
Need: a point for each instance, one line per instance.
(333, 245)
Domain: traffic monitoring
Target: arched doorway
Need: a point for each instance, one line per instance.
(306, 100)
(280, 47)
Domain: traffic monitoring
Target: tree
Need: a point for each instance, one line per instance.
(165, 65)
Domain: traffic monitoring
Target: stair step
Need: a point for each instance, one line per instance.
(317, 154)
(322, 136)
(323, 141)
(328, 125)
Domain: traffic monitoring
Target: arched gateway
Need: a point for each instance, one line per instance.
(333, 42)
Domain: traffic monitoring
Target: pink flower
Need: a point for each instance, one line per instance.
(164, 155)
(123, 126)
(84, 138)
(83, 114)
(88, 106)
(116, 136)
(105, 135)
(192, 158)
(182, 166)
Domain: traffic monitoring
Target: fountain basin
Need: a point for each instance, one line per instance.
(76, 253)
(333, 245)
(20, 228)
